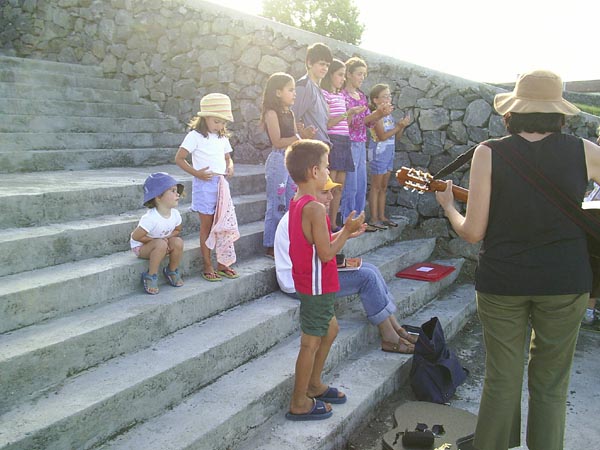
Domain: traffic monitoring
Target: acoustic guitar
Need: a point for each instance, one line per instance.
(421, 182)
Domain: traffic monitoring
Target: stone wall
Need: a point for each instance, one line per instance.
(172, 52)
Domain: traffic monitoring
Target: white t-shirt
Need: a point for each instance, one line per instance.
(207, 151)
(283, 262)
(156, 225)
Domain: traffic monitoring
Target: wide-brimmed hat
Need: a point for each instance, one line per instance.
(539, 91)
(330, 184)
(216, 105)
(157, 183)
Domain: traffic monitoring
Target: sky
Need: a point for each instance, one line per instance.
(478, 39)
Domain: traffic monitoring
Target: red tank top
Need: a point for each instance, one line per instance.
(311, 275)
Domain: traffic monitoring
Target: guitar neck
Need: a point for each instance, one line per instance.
(460, 194)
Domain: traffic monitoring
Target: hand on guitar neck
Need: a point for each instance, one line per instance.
(423, 182)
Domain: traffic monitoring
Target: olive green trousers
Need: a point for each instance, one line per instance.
(554, 321)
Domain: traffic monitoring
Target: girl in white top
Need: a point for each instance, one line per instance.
(157, 234)
(209, 146)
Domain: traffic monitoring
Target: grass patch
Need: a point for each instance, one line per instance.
(595, 110)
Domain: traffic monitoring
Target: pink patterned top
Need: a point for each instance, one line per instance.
(357, 127)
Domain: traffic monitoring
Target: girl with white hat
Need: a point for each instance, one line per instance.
(209, 146)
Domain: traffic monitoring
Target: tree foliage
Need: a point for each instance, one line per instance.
(337, 19)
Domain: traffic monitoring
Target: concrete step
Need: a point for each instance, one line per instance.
(42, 198)
(368, 379)
(50, 66)
(84, 159)
(248, 399)
(74, 94)
(31, 297)
(54, 141)
(50, 79)
(24, 123)
(140, 385)
(98, 236)
(85, 338)
(85, 109)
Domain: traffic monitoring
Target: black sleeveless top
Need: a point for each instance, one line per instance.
(530, 247)
(286, 124)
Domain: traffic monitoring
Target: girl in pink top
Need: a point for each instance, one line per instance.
(355, 188)
(340, 155)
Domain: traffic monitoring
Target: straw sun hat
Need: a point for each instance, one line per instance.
(216, 105)
(539, 91)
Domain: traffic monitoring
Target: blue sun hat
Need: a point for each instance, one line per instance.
(157, 183)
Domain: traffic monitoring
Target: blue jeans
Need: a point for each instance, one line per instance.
(280, 191)
(368, 282)
(354, 194)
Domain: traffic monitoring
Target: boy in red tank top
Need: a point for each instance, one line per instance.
(315, 277)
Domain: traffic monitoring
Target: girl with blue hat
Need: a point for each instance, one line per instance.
(157, 234)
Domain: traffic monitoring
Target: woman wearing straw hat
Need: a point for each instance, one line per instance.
(533, 266)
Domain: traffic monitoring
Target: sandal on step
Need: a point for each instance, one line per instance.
(173, 277)
(389, 223)
(370, 228)
(332, 395)
(398, 347)
(150, 283)
(377, 226)
(318, 412)
(211, 276)
(228, 272)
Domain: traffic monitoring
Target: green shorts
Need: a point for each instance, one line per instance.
(316, 311)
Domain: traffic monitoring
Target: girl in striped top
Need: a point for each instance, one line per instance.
(340, 156)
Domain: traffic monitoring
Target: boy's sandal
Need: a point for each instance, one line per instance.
(389, 223)
(173, 277)
(370, 228)
(150, 283)
(228, 272)
(211, 276)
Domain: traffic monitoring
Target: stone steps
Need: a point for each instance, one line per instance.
(24, 123)
(97, 236)
(56, 67)
(49, 78)
(75, 94)
(84, 159)
(58, 107)
(139, 385)
(244, 403)
(73, 108)
(61, 140)
(33, 199)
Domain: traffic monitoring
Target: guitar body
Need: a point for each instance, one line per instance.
(420, 181)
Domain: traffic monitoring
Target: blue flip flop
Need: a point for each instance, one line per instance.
(318, 412)
(331, 396)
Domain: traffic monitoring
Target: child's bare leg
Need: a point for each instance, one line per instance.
(206, 221)
(316, 385)
(154, 251)
(385, 178)
(301, 403)
(176, 246)
(339, 177)
(374, 198)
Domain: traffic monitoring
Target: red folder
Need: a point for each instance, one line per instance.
(425, 272)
